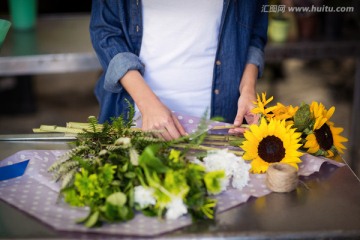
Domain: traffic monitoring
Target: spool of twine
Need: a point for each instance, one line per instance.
(281, 177)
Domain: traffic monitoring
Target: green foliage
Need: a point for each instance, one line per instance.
(218, 119)
(208, 207)
(213, 181)
(302, 118)
(149, 159)
(201, 132)
(109, 162)
(115, 208)
(236, 142)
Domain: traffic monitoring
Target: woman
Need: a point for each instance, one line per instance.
(185, 56)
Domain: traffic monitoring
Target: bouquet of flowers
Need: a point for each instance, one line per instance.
(285, 132)
(117, 170)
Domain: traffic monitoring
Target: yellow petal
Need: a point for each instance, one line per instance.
(330, 112)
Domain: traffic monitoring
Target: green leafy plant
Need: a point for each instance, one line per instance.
(111, 161)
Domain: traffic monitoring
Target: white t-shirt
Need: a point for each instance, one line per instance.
(179, 44)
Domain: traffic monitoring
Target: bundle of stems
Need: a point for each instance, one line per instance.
(223, 140)
(229, 127)
(71, 128)
(211, 141)
(57, 129)
(205, 148)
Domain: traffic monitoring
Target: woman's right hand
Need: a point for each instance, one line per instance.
(159, 118)
(155, 115)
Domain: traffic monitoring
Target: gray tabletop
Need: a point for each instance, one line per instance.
(327, 205)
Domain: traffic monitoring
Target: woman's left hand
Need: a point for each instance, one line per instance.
(245, 105)
(246, 100)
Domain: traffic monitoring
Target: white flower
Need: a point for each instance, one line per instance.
(144, 196)
(175, 209)
(125, 142)
(134, 156)
(235, 168)
(103, 152)
(241, 176)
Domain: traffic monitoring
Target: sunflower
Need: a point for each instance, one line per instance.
(324, 139)
(270, 143)
(261, 106)
(282, 112)
(320, 114)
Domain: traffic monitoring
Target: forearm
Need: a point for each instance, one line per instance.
(248, 80)
(247, 90)
(136, 86)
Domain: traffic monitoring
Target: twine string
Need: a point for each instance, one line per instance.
(281, 177)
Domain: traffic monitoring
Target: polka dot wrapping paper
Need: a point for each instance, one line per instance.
(189, 123)
(37, 194)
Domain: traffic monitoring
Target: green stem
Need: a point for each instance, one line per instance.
(206, 148)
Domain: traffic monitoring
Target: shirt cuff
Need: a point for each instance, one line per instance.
(119, 65)
(256, 57)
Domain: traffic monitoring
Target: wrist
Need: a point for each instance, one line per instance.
(143, 96)
(147, 104)
(248, 80)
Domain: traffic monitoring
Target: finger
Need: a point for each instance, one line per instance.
(173, 132)
(158, 135)
(237, 123)
(237, 131)
(172, 128)
(239, 117)
(179, 127)
(155, 131)
(166, 135)
(161, 133)
(252, 118)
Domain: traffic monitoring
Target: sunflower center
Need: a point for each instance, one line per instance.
(324, 137)
(271, 149)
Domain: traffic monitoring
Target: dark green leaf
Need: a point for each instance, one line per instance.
(148, 158)
(149, 212)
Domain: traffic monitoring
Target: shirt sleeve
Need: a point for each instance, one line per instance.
(256, 57)
(111, 42)
(258, 39)
(119, 65)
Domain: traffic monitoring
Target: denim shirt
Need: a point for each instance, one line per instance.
(116, 34)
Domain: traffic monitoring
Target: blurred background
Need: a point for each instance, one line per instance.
(61, 27)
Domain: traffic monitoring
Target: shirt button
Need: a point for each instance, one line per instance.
(216, 91)
(218, 62)
(137, 28)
